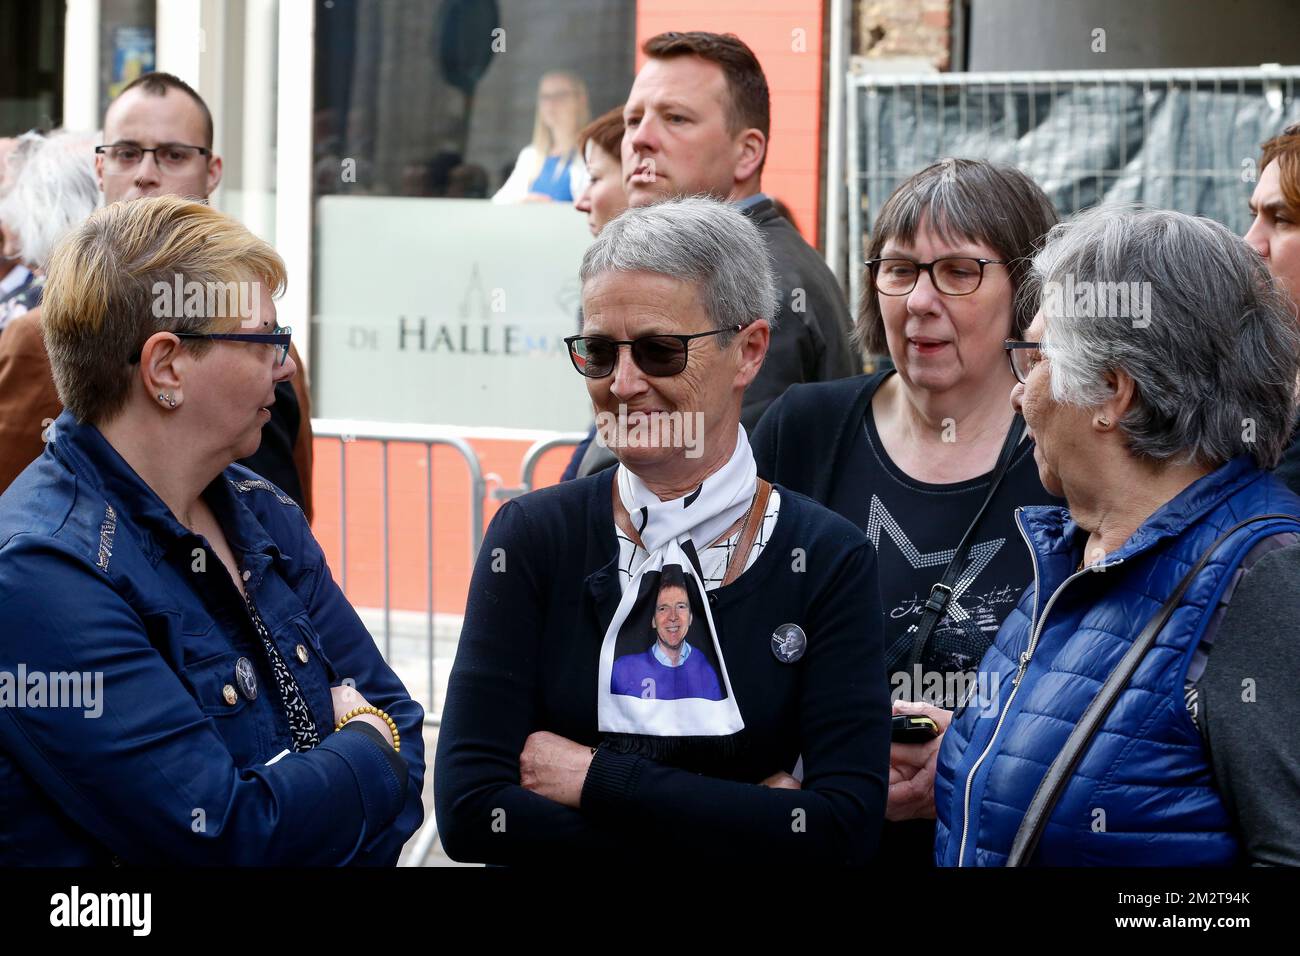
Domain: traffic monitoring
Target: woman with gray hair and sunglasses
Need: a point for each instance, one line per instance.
(1143, 708)
(649, 651)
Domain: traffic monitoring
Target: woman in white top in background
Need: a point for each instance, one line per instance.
(550, 168)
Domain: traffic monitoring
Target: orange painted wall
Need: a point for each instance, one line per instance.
(793, 170)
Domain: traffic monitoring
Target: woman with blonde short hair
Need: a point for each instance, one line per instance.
(241, 713)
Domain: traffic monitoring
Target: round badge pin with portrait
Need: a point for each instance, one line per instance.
(246, 678)
(789, 643)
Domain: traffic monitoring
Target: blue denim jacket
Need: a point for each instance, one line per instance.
(173, 760)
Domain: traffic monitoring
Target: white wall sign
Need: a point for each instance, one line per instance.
(448, 311)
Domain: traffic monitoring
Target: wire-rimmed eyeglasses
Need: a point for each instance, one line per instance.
(1023, 356)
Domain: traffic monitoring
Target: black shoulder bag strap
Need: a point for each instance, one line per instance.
(941, 593)
(1059, 773)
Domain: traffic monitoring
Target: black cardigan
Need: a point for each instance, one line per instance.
(807, 433)
(527, 661)
(811, 340)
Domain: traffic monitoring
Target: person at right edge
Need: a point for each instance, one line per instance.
(1275, 234)
(1147, 714)
(913, 455)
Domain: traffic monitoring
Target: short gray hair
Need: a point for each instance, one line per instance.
(1214, 359)
(52, 190)
(696, 240)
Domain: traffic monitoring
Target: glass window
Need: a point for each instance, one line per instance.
(424, 112)
(31, 83)
(126, 45)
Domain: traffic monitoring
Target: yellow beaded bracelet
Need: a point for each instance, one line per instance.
(392, 727)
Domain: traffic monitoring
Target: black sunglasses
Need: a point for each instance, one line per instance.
(659, 355)
(279, 338)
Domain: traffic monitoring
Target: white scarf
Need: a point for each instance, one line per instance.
(637, 692)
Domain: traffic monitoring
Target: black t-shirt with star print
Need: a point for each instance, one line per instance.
(915, 526)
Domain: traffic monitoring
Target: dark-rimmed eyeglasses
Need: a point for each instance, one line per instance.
(1023, 356)
(951, 275)
(659, 355)
(171, 156)
(279, 338)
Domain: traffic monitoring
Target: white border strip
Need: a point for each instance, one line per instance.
(415, 431)
(81, 65)
(180, 41)
(293, 167)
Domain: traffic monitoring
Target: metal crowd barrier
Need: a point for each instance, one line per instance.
(1177, 138)
(528, 467)
(385, 434)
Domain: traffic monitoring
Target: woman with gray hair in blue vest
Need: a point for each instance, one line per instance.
(1138, 708)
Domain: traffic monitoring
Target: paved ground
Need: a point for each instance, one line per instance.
(435, 856)
(406, 642)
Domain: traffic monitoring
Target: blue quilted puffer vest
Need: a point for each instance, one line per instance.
(1142, 794)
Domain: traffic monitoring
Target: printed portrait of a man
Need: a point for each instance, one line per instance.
(670, 668)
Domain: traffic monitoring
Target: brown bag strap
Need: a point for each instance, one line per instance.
(749, 530)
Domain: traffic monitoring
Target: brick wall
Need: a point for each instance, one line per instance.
(904, 28)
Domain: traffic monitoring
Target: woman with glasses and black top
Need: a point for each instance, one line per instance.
(232, 708)
(928, 458)
(669, 661)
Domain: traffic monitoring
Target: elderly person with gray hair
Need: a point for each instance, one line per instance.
(15, 278)
(50, 190)
(541, 750)
(1142, 706)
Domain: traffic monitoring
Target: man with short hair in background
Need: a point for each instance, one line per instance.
(1275, 235)
(158, 138)
(698, 122)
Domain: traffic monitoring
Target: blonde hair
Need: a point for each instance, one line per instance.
(543, 140)
(100, 303)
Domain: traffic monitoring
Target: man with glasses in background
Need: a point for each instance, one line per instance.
(158, 138)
